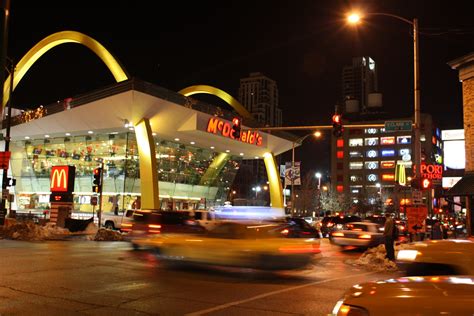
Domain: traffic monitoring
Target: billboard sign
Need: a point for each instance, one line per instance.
(292, 174)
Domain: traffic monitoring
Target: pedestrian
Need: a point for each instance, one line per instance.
(388, 237)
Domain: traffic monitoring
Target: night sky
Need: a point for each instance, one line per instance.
(302, 45)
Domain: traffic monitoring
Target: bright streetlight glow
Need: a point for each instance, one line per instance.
(317, 134)
(377, 185)
(353, 18)
(318, 175)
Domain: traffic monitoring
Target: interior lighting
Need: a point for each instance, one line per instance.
(27, 137)
(212, 147)
(46, 136)
(176, 139)
(227, 151)
(68, 134)
(90, 132)
(192, 143)
(241, 154)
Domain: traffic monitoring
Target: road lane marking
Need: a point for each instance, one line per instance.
(223, 306)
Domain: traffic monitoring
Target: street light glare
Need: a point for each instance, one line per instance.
(317, 134)
(353, 18)
(318, 175)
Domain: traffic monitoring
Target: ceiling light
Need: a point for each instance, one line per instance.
(154, 134)
(90, 132)
(68, 134)
(192, 143)
(227, 151)
(212, 147)
(47, 136)
(176, 139)
(241, 154)
(27, 137)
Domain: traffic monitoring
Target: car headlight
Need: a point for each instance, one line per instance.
(408, 255)
(341, 309)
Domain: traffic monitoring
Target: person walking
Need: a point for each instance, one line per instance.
(388, 237)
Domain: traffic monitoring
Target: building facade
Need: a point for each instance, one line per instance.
(359, 82)
(364, 162)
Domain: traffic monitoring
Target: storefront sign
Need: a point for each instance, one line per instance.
(416, 217)
(224, 128)
(62, 178)
(434, 172)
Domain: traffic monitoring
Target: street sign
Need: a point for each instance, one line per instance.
(417, 197)
(394, 126)
(416, 217)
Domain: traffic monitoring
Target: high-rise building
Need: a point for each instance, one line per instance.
(259, 95)
(359, 85)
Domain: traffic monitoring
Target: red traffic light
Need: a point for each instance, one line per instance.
(336, 118)
(425, 183)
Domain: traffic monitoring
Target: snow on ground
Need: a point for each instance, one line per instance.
(374, 259)
(108, 235)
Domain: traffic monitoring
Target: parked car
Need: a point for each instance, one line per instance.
(330, 223)
(357, 234)
(114, 221)
(439, 295)
(437, 257)
(150, 222)
(236, 244)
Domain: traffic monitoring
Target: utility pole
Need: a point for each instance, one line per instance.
(4, 14)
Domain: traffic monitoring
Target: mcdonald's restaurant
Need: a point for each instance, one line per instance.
(159, 149)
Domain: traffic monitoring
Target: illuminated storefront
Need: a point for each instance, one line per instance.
(196, 163)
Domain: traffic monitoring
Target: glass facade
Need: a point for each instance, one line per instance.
(181, 172)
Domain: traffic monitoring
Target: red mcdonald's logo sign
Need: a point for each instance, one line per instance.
(224, 128)
(60, 178)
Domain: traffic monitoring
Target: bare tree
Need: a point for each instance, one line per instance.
(307, 194)
(335, 202)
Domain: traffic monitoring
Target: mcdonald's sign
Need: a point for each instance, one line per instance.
(62, 178)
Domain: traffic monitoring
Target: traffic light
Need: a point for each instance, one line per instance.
(337, 128)
(425, 184)
(236, 127)
(11, 182)
(97, 180)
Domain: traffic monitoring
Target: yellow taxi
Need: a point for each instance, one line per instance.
(421, 296)
(236, 244)
(437, 257)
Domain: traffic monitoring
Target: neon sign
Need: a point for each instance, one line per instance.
(434, 172)
(62, 178)
(224, 128)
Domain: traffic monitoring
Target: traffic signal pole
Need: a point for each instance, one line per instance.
(100, 192)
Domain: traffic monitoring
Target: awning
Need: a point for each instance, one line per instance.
(463, 187)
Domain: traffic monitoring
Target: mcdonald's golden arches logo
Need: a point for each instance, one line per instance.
(61, 178)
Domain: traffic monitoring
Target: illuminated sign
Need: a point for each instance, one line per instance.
(388, 177)
(403, 139)
(224, 128)
(387, 140)
(62, 178)
(387, 164)
(388, 153)
(431, 171)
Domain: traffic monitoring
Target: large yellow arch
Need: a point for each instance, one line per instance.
(276, 191)
(220, 94)
(56, 39)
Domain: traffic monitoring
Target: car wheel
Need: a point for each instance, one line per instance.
(109, 225)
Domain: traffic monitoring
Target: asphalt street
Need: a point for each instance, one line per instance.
(105, 278)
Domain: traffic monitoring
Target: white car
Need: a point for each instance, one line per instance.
(357, 234)
(437, 257)
(421, 296)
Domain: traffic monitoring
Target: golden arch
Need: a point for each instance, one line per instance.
(57, 39)
(220, 94)
(276, 192)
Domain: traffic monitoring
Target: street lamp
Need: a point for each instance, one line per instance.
(256, 189)
(355, 18)
(300, 140)
(318, 176)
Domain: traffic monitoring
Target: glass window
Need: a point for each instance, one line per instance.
(403, 139)
(372, 177)
(371, 165)
(356, 165)
(387, 164)
(387, 140)
(353, 142)
(372, 141)
(355, 154)
(371, 153)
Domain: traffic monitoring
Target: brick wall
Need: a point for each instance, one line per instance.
(468, 109)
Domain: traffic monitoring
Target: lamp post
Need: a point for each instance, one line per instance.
(256, 189)
(355, 18)
(318, 176)
(316, 134)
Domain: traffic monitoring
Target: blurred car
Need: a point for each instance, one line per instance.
(236, 244)
(146, 222)
(422, 296)
(296, 227)
(330, 223)
(357, 234)
(379, 219)
(437, 257)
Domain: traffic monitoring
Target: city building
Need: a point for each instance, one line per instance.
(197, 156)
(364, 163)
(359, 86)
(259, 95)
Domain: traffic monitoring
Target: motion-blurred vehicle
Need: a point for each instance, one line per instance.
(437, 257)
(436, 295)
(152, 222)
(330, 223)
(114, 221)
(236, 244)
(357, 234)
(296, 227)
(379, 219)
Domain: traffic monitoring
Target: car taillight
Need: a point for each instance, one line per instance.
(365, 236)
(337, 234)
(285, 232)
(126, 227)
(155, 229)
(330, 224)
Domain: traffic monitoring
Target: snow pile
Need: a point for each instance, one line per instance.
(374, 259)
(108, 235)
(28, 230)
